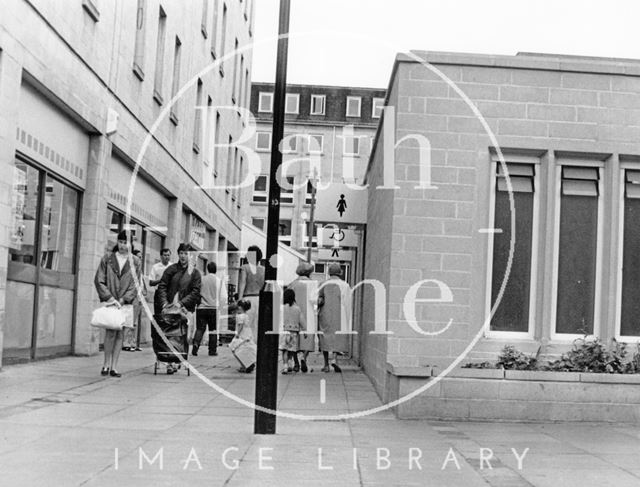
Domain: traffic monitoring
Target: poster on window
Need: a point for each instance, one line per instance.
(17, 209)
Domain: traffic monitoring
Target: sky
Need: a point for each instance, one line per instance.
(354, 42)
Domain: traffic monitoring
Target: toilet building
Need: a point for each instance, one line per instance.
(87, 90)
(503, 208)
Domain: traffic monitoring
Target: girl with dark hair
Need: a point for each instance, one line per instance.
(292, 323)
(251, 283)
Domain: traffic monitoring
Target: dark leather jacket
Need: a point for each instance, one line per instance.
(176, 280)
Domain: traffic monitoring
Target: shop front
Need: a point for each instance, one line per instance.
(48, 182)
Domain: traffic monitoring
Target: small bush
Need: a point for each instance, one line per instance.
(512, 359)
(479, 365)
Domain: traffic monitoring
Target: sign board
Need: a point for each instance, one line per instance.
(341, 203)
(335, 254)
(330, 236)
(198, 232)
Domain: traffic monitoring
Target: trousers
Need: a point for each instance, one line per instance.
(206, 318)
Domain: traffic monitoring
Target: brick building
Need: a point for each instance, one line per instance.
(563, 134)
(82, 84)
(329, 128)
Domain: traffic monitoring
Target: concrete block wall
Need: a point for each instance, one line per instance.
(553, 107)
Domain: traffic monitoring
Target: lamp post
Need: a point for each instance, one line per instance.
(312, 214)
(267, 358)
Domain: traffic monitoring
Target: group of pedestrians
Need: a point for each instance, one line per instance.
(180, 288)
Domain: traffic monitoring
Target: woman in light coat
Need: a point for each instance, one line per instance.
(334, 309)
(115, 283)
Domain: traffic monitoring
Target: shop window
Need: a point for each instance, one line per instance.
(292, 103)
(26, 190)
(318, 104)
(376, 107)
(353, 106)
(260, 189)
(512, 314)
(577, 250)
(263, 141)
(630, 310)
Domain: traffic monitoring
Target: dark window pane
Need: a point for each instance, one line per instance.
(577, 264)
(512, 313)
(630, 314)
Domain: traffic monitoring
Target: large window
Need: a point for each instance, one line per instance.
(577, 251)
(286, 191)
(42, 265)
(284, 232)
(630, 309)
(265, 102)
(376, 107)
(512, 313)
(351, 146)
(292, 104)
(263, 141)
(160, 43)
(353, 106)
(315, 143)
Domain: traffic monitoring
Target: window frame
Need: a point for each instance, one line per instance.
(344, 145)
(263, 149)
(324, 104)
(262, 219)
(535, 237)
(290, 137)
(559, 164)
(289, 96)
(260, 194)
(350, 99)
(261, 96)
(321, 151)
(373, 107)
(623, 168)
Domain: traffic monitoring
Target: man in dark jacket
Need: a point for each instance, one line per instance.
(179, 288)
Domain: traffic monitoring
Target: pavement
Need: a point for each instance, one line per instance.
(63, 424)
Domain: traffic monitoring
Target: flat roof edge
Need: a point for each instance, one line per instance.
(545, 62)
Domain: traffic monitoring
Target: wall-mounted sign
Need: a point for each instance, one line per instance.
(341, 203)
(335, 254)
(334, 236)
(197, 233)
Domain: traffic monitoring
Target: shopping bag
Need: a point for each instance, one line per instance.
(244, 351)
(127, 311)
(108, 317)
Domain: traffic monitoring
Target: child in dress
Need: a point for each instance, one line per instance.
(293, 322)
(243, 329)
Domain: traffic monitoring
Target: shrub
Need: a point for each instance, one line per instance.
(591, 355)
(512, 359)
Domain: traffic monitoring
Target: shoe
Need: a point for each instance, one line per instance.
(104, 371)
(285, 371)
(126, 349)
(138, 349)
(336, 368)
(296, 368)
(194, 351)
(213, 354)
(325, 368)
(250, 368)
(115, 373)
(303, 366)
(242, 369)
(170, 370)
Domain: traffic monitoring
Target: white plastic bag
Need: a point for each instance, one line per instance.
(127, 312)
(108, 317)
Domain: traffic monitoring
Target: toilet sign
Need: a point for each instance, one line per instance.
(341, 203)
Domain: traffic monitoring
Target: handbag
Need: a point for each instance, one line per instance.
(108, 317)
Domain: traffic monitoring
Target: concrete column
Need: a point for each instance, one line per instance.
(609, 311)
(174, 226)
(10, 76)
(93, 236)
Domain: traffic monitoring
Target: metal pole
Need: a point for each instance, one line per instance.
(311, 218)
(267, 359)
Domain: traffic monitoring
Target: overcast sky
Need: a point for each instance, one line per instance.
(354, 42)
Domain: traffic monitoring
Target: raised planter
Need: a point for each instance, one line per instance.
(512, 395)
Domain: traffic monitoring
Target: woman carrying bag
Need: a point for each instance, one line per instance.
(115, 284)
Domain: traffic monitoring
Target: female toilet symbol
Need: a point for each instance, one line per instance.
(342, 205)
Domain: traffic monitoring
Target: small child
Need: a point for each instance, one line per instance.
(243, 330)
(293, 322)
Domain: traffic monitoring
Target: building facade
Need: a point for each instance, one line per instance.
(515, 214)
(327, 138)
(88, 89)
